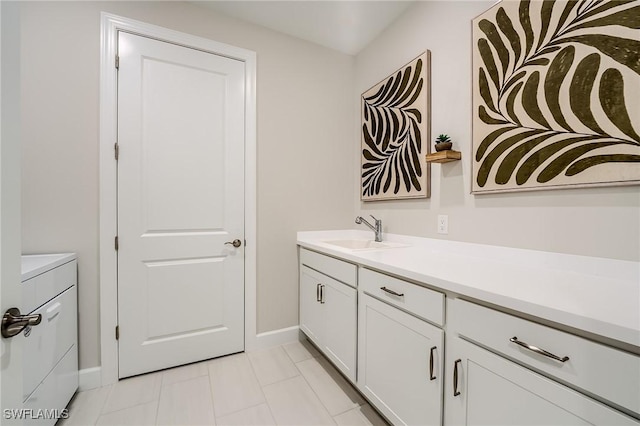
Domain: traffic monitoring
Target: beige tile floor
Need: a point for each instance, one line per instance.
(290, 384)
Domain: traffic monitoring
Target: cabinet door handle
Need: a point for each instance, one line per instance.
(391, 292)
(537, 350)
(456, 392)
(318, 292)
(321, 293)
(431, 375)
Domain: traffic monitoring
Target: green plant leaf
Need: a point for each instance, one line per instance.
(510, 161)
(613, 102)
(515, 156)
(538, 62)
(622, 50)
(565, 14)
(369, 140)
(393, 88)
(495, 153)
(580, 91)
(484, 90)
(585, 163)
(510, 104)
(490, 30)
(386, 136)
(535, 160)
(563, 161)
(606, 6)
(530, 100)
(489, 139)
(555, 76)
(629, 18)
(487, 58)
(411, 88)
(416, 113)
(378, 93)
(512, 80)
(545, 16)
(484, 116)
(547, 50)
(525, 21)
(506, 26)
(413, 98)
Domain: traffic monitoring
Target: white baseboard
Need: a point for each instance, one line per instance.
(275, 338)
(89, 378)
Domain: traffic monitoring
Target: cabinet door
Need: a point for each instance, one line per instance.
(491, 390)
(340, 337)
(310, 308)
(395, 354)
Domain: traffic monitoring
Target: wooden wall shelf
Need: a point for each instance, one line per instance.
(444, 156)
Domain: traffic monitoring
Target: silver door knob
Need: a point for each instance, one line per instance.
(13, 323)
(236, 243)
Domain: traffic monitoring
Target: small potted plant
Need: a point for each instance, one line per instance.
(443, 143)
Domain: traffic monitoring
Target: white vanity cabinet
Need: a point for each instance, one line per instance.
(50, 378)
(328, 308)
(400, 354)
(512, 383)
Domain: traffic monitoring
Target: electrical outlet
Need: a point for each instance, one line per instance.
(443, 224)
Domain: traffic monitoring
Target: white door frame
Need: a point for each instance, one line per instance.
(110, 25)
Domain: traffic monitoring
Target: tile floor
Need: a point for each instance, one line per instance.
(290, 384)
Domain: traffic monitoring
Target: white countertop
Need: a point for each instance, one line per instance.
(36, 264)
(597, 295)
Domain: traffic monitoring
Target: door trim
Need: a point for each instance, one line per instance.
(110, 25)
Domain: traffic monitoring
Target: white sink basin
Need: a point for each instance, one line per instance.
(359, 245)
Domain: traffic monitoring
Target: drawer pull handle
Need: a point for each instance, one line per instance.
(456, 392)
(318, 292)
(537, 350)
(321, 293)
(431, 375)
(391, 292)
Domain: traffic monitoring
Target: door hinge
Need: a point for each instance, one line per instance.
(117, 62)
(117, 332)
(117, 245)
(116, 148)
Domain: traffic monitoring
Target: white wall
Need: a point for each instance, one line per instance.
(305, 128)
(596, 222)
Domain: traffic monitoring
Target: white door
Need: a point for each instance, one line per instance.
(399, 363)
(486, 389)
(180, 200)
(10, 245)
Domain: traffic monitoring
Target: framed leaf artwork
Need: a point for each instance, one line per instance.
(556, 95)
(395, 134)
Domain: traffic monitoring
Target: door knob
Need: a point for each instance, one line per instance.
(236, 243)
(13, 322)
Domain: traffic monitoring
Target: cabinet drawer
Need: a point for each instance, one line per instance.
(55, 392)
(338, 269)
(420, 301)
(47, 342)
(603, 371)
(44, 287)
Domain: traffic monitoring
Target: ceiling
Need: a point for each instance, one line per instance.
(346, 26)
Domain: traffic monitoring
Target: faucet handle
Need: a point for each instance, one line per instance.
(373, 217)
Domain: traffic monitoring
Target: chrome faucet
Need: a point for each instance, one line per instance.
(377, 228)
